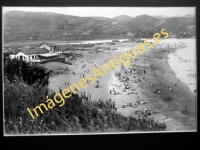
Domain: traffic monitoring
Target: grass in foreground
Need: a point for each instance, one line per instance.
(79, 114)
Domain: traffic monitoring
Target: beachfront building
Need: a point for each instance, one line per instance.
(33, 55)
(49, 47)
(41, 53)
(28, 54)
(52, 49)
(48, 56)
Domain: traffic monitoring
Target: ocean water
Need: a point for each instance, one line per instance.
(92, 41)
(62, 42)
(183, 63)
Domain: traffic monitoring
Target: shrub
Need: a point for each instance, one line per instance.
(30, 73)
(25, 86)
(79, 114)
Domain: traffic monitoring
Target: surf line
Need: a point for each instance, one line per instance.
(124, 59)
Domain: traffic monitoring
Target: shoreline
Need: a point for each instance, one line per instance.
(173, 110)
(186, 70)
(64, 42)
(181, 94)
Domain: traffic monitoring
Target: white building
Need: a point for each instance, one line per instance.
(34, 54)
(42, 52)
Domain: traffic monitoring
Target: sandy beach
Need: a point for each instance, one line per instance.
(186, 58)
(179, 112)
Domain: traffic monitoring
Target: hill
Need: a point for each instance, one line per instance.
(122, 19)
(174, 25)
(161, 17)
(20, 26)
(174, 22)
(142, 22)
(178, 24)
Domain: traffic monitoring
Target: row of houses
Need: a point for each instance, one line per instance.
(42, 52)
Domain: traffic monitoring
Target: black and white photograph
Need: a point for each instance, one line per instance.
(99, 70)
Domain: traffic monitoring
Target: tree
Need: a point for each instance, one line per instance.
(29, 73)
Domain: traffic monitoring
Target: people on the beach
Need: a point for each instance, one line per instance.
(115, 108)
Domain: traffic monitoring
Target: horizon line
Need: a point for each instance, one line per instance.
(95, 16)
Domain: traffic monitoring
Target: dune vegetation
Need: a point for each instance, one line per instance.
(27, 87)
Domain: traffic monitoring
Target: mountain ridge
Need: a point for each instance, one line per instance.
(21, 25)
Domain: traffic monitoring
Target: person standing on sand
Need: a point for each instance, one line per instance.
(115, 108)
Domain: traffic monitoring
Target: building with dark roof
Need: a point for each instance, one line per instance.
(49, 46)
(31, 54)
(40, 53)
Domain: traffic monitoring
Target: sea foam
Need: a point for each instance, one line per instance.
(183, 63)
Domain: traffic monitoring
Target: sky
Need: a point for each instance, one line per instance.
(109, 12)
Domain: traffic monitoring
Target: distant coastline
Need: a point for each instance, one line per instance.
(61, 41)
